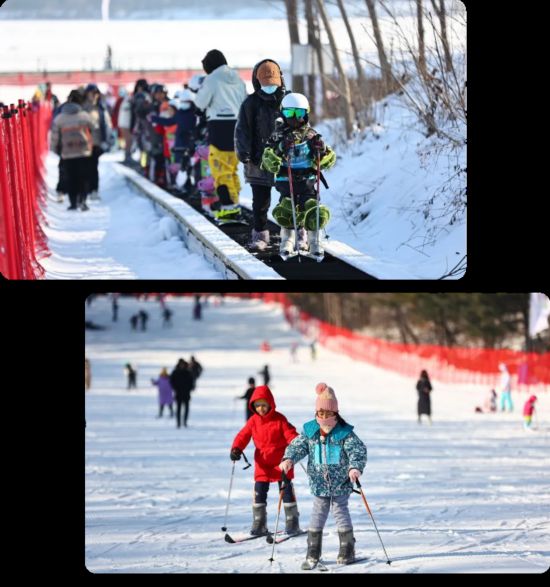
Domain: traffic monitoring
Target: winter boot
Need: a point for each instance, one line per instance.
(287, 241)
(259, 519)
(259, 240)
(302, 239)
(315, 247)
(314, 540)
(292, 515)
(347, 547)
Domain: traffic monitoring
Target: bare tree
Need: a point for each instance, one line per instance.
(361, 80)
(421, 47)
(441, 14)
(384, 63)
(294, 33)
(312, 42)
(344, 83)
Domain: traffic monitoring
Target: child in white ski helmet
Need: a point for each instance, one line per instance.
(297, 145)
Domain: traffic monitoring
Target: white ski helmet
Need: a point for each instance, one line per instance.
(295, 100)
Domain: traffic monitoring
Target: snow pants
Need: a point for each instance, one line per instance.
(321, 507)
(223, 168)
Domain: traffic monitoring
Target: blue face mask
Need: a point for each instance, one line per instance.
(269, 89)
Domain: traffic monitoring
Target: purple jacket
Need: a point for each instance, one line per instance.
(165, 389)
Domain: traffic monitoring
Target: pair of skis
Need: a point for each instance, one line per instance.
(285, 256)
(269, 537)
(320, 565)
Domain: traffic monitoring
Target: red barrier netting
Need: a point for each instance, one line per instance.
(23, 145)
(449, 365)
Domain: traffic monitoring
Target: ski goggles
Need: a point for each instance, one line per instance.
(297, 112)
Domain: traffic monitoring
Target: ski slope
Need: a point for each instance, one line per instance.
(468, 494)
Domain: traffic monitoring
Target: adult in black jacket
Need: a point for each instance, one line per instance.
(181, 380)
(255, 124)
(424, 388)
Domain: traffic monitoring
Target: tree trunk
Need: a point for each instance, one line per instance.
(421, 46)
(361, 81)
(312, 42)
(294, 34)
(384, 63)
(344, 83)
(442, 15)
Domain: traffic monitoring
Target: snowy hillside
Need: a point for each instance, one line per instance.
(468, 494)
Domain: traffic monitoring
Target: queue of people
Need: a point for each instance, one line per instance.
(192, 143)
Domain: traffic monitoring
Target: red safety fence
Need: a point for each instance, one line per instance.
(23, 144)
(444, 364)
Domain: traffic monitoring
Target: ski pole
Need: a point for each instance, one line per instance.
(318, 192)
(284, 481)
(293, 210)
(372, 518)
(224, 527)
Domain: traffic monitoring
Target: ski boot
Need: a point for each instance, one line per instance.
(347, 547)
(259, 519)
(259, 240)
(302, 239)
(315, 248)
(291, 516)
(287, 246)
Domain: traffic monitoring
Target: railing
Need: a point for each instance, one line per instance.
(23, 144)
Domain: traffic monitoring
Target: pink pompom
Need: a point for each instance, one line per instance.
(321, 387)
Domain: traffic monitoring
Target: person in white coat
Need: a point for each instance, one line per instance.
(221, 95)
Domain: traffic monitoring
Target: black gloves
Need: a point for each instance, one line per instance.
(316, 144)
(235, 454)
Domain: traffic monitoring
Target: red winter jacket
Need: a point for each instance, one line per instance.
(271, 433)
(529, 406)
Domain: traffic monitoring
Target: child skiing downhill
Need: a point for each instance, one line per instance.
(336, 460)
(296, 154)
(271, 433)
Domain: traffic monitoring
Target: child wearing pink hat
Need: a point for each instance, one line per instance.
(336, 459)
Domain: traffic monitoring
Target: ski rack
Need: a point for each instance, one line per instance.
(200, 235)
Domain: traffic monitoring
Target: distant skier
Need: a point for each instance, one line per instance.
(166, 317)
(265, 373)
(182, 384)
(114, 305)
(336, 459)
(505, 388)
(313, 350)
(247, 395)
(424, 388)
(197, 309)
(133, 321)
(131, 374)
(292, 155)
(166, 393)
(271, 433)
(528, 411)
(144, 317)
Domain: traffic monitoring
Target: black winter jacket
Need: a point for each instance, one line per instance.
(255, 124)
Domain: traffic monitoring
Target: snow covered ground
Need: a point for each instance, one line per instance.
(119, 237)
(468, 494)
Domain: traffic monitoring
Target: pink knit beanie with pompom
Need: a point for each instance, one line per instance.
(326, 398)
